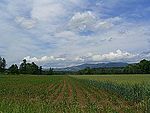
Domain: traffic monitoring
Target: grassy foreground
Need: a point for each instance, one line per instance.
(75, 94)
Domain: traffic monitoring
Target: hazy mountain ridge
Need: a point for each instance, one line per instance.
(99, 65)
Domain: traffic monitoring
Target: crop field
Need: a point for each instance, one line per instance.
(75, 94)
(129, 78)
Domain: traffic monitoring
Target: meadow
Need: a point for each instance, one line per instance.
(75, 94)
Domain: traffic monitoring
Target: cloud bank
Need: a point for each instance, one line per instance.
(108, 57)
(66, 32)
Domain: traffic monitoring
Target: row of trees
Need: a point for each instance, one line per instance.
(92, 71)
(2, 64)
(29, 68)
(143, 67)
(25, 68)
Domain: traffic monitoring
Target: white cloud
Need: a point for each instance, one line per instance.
(89, 21)
(60, 59)
(61, 27)
(82, 21)
(108, 23)
(46, 10)
(26, 23)
(44, 59)
(77, 2)
(114, 19)
(90, 57)
(80, 59)
(69, 35)
(113, 56)
(103, 25)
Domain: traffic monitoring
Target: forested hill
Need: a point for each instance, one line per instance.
(99, 65)
(143, 67)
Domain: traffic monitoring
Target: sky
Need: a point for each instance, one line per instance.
(62, 33)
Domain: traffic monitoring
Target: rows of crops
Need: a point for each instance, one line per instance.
(65, 94)
(138, 94)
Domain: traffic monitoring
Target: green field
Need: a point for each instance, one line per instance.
(132, 79)
(75, 94)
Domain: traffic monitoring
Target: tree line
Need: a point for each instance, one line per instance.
(143, 67)
(24, 68)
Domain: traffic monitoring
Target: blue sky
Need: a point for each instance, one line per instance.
(62, 33)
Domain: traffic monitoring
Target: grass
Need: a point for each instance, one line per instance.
(132, 79)
(74, 94)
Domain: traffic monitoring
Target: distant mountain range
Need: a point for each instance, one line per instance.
(99, 65)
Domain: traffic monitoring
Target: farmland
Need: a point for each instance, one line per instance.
(75, 94)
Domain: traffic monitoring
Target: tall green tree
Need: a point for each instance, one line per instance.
(29, 68)
(2, 64)
(145, 66)
(35, 68)
(23, 67)
(40, 70)
(13, 69)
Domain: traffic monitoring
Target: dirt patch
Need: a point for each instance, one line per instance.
(81, 97)
(70, 93)
(60, 93)
(106, 99)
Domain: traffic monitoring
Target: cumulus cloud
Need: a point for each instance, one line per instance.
(108, 23)
(90, 57)
(88, 21)
(113, 56)
(73, 28)
(80, 59)
(144, 55)
(82, 21)
(43, 59)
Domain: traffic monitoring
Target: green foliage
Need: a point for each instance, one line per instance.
(143, 67)
(13, 69)
(30, 68)
(2, 64)
(51, 71)
(135, 93)
(89, 71)
(23, 68)
(140, 68)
